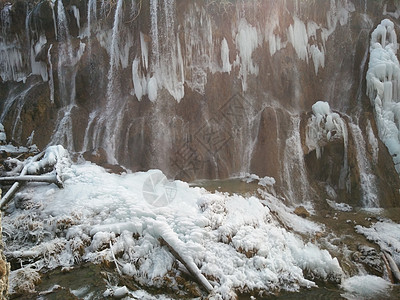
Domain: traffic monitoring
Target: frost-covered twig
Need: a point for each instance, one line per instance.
(115, 260)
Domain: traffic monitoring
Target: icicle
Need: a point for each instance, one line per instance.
(77, 16)
(297, 34)
(92, 12)
(38, 67)
(54, 18)
(246, 42)
(226, 66)
(136, 79)
(51, 79)
(145, 52)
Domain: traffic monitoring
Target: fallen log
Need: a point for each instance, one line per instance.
(389, 270)
(34, 178)
(393, 267)
(190, 266)
(10, 193)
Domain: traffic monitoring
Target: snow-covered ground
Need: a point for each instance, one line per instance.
(239, 244)
(236, 242)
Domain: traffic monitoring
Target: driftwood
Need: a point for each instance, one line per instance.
(190, 266)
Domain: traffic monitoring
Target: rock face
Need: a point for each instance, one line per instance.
(200, 89)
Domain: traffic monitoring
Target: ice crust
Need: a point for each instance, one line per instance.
(234, 239)
(383, 86)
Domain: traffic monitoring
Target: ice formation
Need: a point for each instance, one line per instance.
(365, 287)
(98, 216)
(12, 66)
(247, 40)
(3, 137)
(38, 67)
(297, 34)
(339, 206)
(325, 126)
(383, 86)
(226, 65)
(167, 61)
(263, 181)
(386, 234)
(77, 15)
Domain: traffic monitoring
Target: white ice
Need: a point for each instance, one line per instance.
(3, 136)
(383, 86)
(386, 234)
(365, 287)
(324, 126)
(226, 65)
(339, 206)
(247, 40)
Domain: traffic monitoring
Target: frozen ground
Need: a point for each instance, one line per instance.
(240, 244)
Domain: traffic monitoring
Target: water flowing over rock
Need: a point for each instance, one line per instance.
(210, 89)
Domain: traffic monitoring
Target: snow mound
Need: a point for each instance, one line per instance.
(383, 86)
(237, 243)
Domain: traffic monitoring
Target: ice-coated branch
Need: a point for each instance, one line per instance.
(41, 163)
(54, 178)
(189, 265)
(177, 248)
(7, 197)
